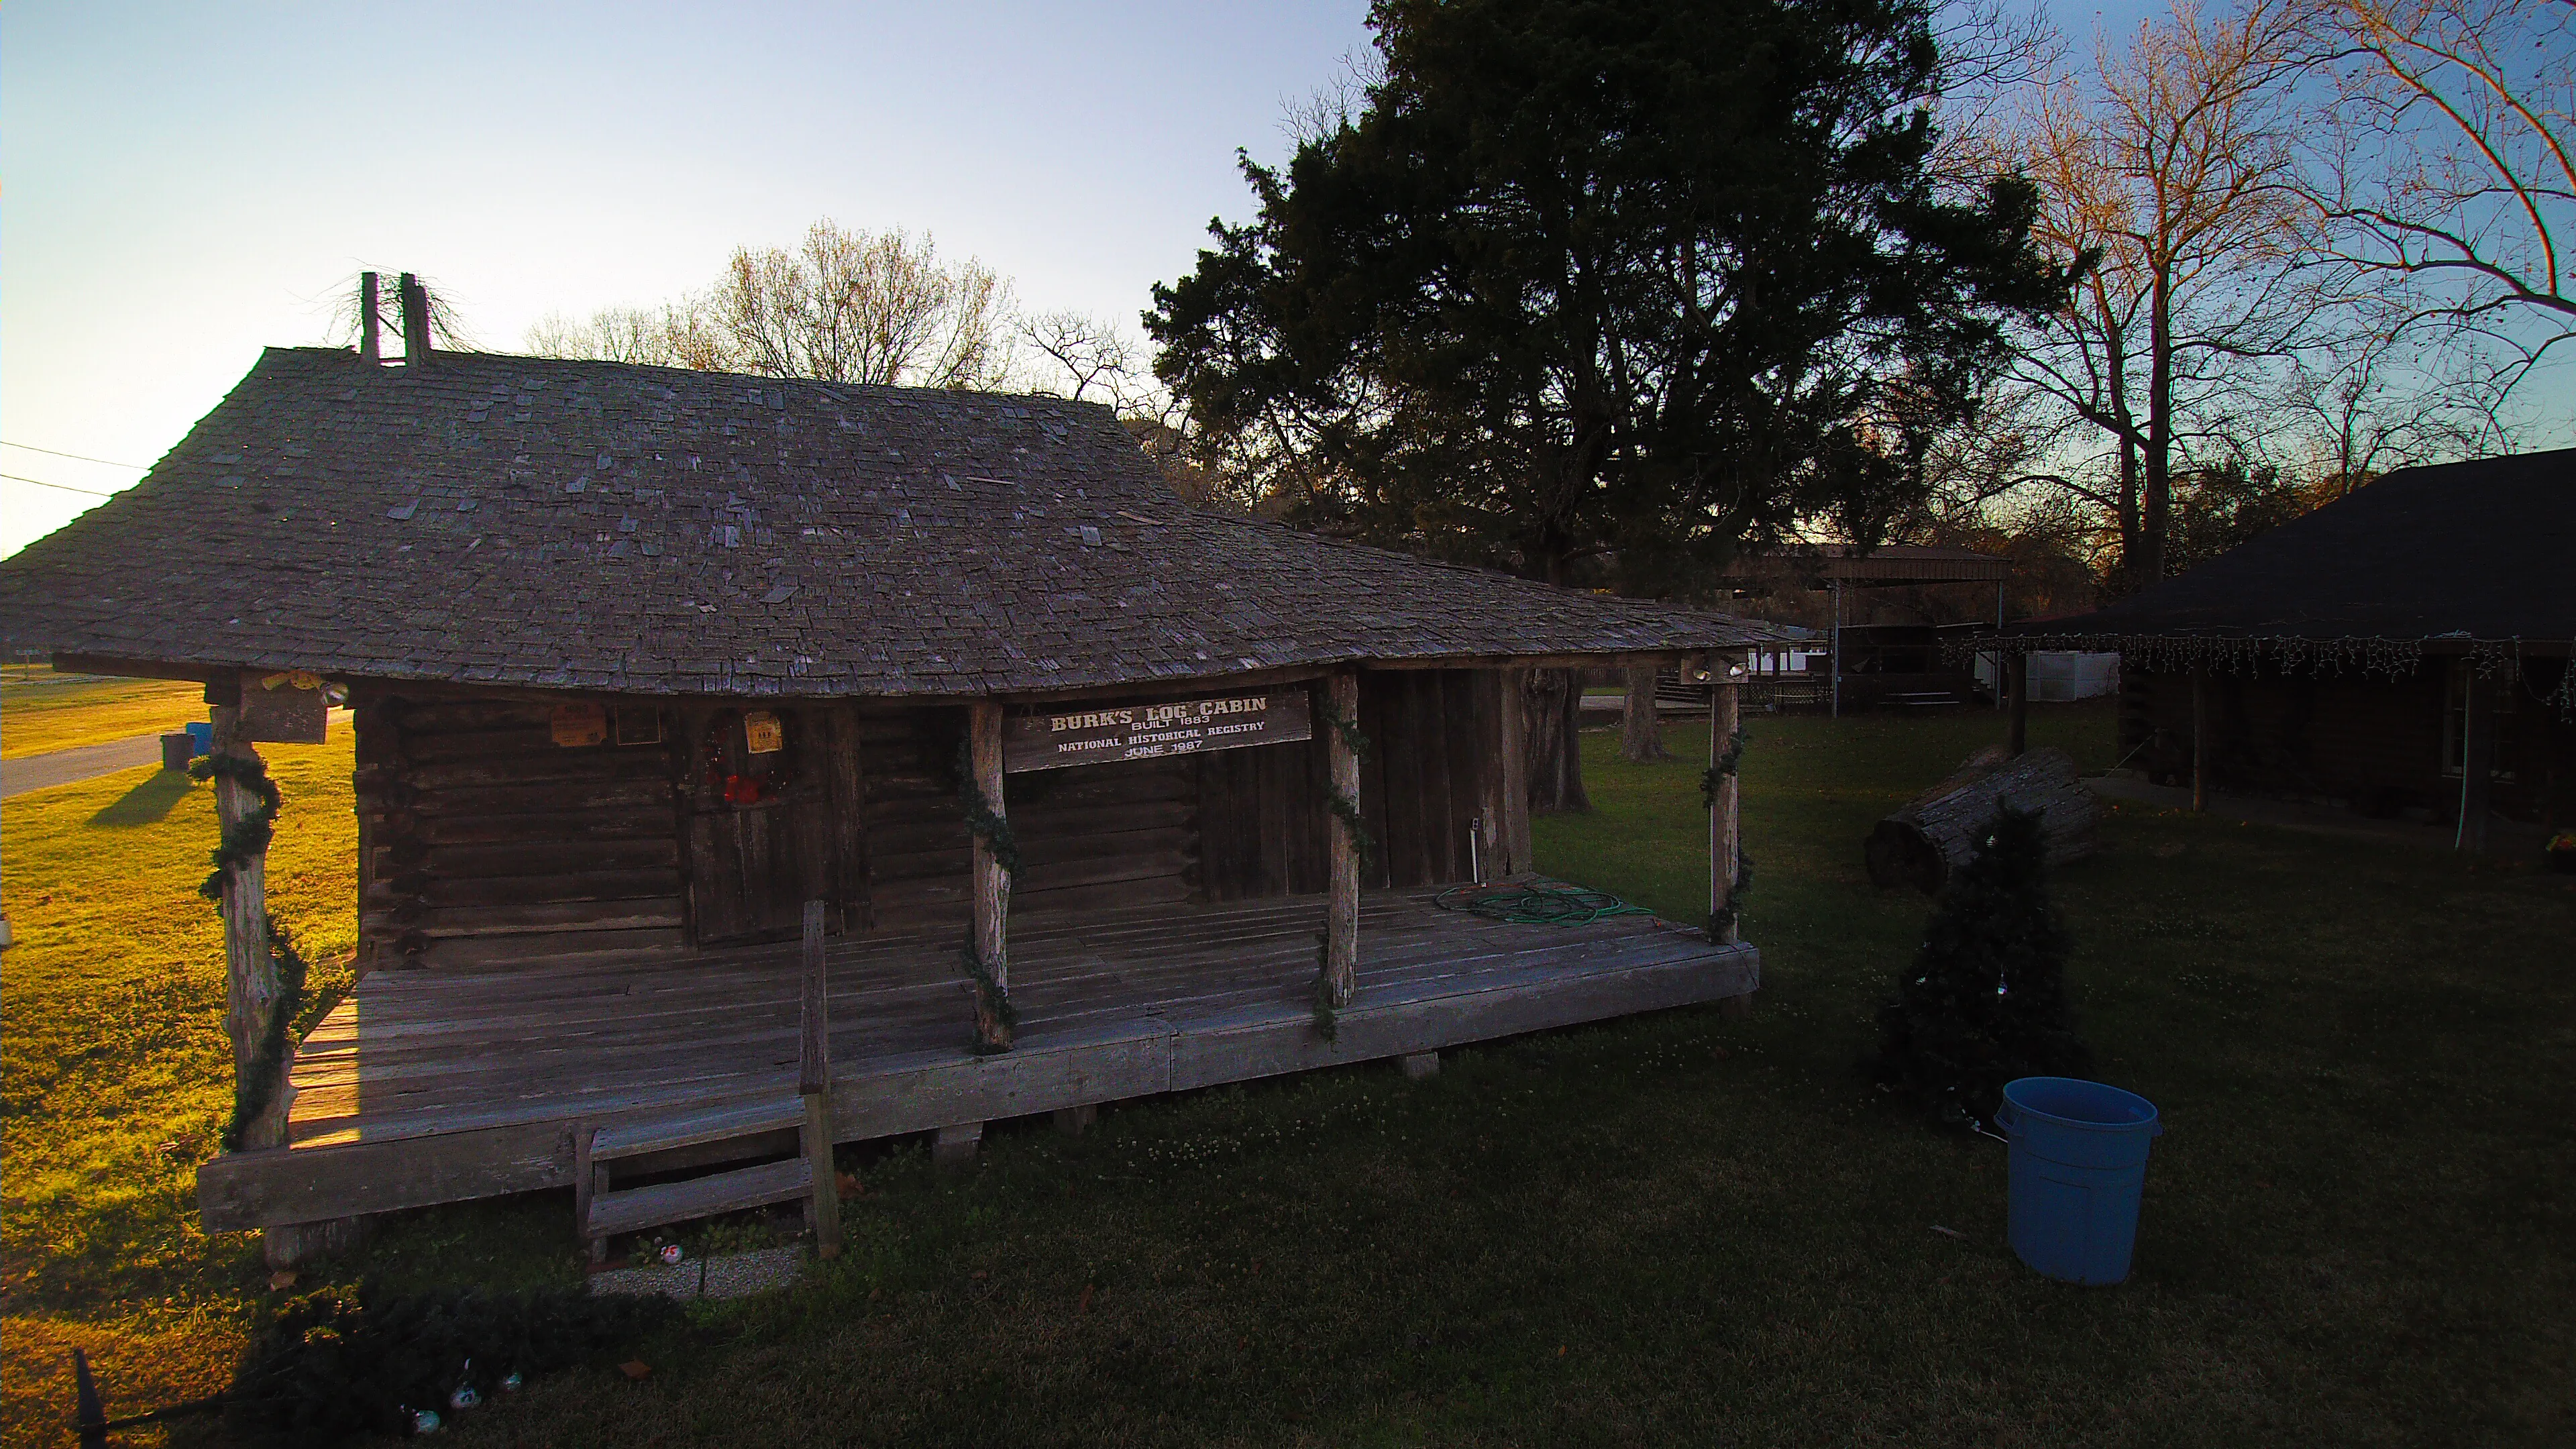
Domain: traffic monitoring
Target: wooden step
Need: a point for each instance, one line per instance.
(713, 1124)
(635, 1209)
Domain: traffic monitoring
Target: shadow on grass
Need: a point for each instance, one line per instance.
(146, 803)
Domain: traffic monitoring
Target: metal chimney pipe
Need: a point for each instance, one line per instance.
(370, 345)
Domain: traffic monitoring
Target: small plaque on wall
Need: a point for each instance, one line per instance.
(286, 709)
(760, 733)
(576, 725)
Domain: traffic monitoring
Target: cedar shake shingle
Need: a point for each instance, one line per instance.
(523, 521)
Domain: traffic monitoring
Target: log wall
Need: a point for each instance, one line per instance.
(1091, 835)
(1432, 775)
(486, 842)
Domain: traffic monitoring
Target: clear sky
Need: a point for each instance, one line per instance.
(186, 183)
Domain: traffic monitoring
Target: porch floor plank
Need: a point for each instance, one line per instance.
(443, 1084)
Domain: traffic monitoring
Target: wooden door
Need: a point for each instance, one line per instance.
(761, 841)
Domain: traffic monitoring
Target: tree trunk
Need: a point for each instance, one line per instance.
(1641, 732)
(1553, 703)
(2156, 507)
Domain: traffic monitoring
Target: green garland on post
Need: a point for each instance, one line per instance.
(1328, 1021)
(991, 997)
(981, 818)
(1723, 919)
(1716, 774)
(1349, 811)
(1349, 729)
(1360, 837)
(243, 841)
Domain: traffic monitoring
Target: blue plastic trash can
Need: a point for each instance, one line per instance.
(202, 734)
(2079, 1160)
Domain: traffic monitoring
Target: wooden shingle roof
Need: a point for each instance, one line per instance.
(592, 525)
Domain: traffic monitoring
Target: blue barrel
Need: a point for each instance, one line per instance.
(2079, 1160)
(202, 734)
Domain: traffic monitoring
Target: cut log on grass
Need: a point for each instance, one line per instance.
(1920, 844)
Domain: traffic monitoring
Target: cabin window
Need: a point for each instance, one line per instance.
(2455, 721)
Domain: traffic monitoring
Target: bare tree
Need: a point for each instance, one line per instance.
(2447, 166)
(616, 334)
(1083, 354)
(852, 306)
(844, 306)
(2169, 174)
(2384, 401)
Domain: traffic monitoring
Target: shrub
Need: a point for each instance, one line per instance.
(1985, 1000)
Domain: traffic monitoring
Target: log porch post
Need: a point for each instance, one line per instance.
(992, 883)
(1725, 712)
(1342, 906)
(250, 973)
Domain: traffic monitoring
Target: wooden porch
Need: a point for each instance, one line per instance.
(440, 1086)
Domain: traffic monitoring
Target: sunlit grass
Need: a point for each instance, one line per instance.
(1672, 1229)
(43, 713)
(117, 1073)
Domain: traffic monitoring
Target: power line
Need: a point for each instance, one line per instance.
(66, 487)
(79, 457)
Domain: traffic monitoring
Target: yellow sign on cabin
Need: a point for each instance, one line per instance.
(576, 725)
(760, 733)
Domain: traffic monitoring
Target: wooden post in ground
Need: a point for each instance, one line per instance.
(1342, 905)
(1725, 714)
(2478, 710)
(2017, 724)
(814, 1083)
(2200, 737)
(992, 883)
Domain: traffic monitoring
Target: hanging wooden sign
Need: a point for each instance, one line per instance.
(760, 733)
(579, 725)
(286, 709)
(1088, 734)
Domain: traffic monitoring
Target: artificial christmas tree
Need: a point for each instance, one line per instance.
(1985, 1000)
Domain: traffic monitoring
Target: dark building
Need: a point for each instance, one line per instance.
(2403, 650)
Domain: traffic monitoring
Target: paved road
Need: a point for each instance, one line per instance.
(65, 767)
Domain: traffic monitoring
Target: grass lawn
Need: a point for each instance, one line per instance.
(44, 712)
(1671, 1229)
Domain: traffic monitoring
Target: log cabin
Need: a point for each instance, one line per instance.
(2403, 650)
(676, 693)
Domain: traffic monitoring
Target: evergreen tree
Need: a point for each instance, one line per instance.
(1985, 1000)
